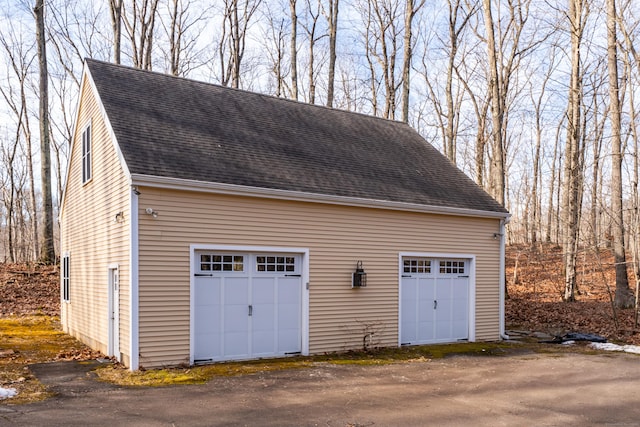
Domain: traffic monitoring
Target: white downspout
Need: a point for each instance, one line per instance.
(503, 237)
(134, 343)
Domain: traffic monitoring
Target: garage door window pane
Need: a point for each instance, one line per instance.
(205, 262)
(417, 265)
(451, 267)
(217, 262)
(275, 264)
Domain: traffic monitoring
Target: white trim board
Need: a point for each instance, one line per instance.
(271, 193)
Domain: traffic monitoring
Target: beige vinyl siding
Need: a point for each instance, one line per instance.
(91, 236)
(337, 237)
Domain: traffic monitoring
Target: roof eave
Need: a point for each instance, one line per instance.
(272, 193)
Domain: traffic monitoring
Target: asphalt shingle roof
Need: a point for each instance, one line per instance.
(178, 128)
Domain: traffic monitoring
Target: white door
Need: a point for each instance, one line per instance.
(247, 306)
(434, 304)
(114, 312)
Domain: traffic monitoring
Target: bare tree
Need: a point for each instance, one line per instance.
(140, 21)
(311, 28)
(383, 31)
(231, 45)
(539, 98)
(449, 84)
(183, 23)
(631, 61)
(275, 45)
(624, 297)
(332, 19)
(294, 49)
(75, 31)
(411, 9)
(599, 114)
(10, 193)
(20, 56)
(115, 7)
(497, 185)
(578, 12)
(47, 252)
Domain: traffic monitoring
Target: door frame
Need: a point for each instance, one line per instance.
(303, 252)
(113, 319)
(472, 286)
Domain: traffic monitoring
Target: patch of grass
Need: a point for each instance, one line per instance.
(383, 356)
(196, 374)
(26, 340)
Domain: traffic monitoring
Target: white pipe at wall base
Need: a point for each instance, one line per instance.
(502, 282)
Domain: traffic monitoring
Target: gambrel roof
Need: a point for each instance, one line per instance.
(176, 128)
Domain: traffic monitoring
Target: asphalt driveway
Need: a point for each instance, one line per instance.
(533, 389)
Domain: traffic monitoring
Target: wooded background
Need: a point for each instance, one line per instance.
(534, 100)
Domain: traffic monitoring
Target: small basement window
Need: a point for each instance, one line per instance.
(86, 154)
(65, 278)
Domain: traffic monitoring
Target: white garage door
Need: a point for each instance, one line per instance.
(434, 304)
(247, 306)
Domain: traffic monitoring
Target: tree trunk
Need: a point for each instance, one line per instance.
(33, 207)
(47, 252)
(496, 174)
(409, 13)
(623, 296)
(332, 19)
(174, 40)
(572, 168)
(294, 49)
(116, 25)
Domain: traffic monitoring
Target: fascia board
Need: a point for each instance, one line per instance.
(270, 193)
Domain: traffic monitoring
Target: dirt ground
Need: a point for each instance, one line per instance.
(569, 389)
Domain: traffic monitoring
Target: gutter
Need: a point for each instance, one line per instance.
(301, 196)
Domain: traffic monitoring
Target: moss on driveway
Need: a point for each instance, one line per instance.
(38, 339)
(28, 340)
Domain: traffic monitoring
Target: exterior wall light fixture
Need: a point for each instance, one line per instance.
(119, 217)
(150, 211)
(359, 277)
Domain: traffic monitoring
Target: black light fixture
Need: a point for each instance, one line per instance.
(359, 277)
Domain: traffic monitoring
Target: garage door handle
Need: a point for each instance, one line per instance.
(435, 304)
(203, 275)
(250, 310)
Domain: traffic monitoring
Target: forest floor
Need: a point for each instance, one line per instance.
(534, 286)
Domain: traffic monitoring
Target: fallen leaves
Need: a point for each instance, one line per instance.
(27, 289)
(535, 295)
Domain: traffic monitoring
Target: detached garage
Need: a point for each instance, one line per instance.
(201, 224)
